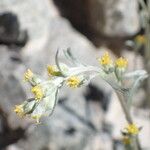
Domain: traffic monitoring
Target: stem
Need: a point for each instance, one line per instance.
(123, 105)
(122, 100)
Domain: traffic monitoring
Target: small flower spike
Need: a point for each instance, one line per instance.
(28, 75)
(73, 81)
(106, 63)
(105, 59)
(53, 71)
(132, 129)
(140, 39)
(126, 140)
(37, 118)
(38, 92)
(19, 110)
(121, 63)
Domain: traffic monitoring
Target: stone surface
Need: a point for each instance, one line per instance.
(9, 27)
(78, 121)
(34, 17)
(71, 119)
(10, 33)
(109, 17)
(121, 17)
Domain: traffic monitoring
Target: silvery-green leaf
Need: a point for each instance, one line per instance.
(64, 68)
(137, 77)
(47, 104)
(71, 58)
(111, 80)
(35, 80)
(81, 70)
(135, 74)
(68, 54)
(29, 106)
(50, 84)
(57, 81)
(87, 78)
(58, 64)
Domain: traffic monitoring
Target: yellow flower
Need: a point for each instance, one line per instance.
(121, 62)
(132, 129)
(28, 75)
(141, 39)
(53, 71)
(37, 118)
(73, 81)
(105, 59)
(126, 140)
(38, 92)
(19, 110)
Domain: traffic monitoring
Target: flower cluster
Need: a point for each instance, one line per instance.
(44, 99)
(45, 91)
(118, 67)
(128, 132)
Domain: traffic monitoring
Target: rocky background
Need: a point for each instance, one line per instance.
(87, 118)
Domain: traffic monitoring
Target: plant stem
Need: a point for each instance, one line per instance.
(123, 105)
(122, 100)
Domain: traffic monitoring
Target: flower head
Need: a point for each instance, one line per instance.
(141, 39)
(105, 59)
(37, 118)
(28, 75)
(126, 140)
(19, 110)
(132, 129)
(38, 92)
(53, 71)
(73, 81)
(121, 62)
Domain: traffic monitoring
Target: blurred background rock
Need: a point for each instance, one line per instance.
(88, 118)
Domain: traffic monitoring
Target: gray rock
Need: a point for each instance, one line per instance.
(10, 32)
(9, 27)
(77, 123)
(110, 17)
(11, 89)
(118, 18)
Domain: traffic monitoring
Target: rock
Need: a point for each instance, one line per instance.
(10, 30)
(9, 27)
(99, 142)
(9, 80)
(118, 18)
(12, 93)
(110, 18)
(70, 119)
(13, 147)
(78, 117)
(33, 19)
(33, 134)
